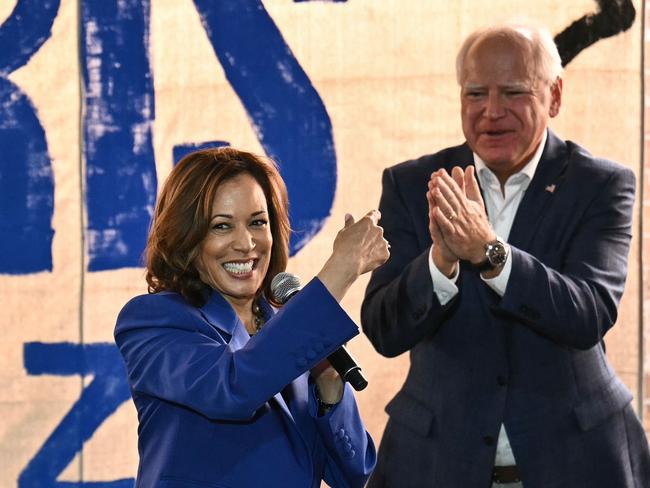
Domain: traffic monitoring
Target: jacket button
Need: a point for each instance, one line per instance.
(489, 440)
(501, 381)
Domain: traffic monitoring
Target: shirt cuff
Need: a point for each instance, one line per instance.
(500, 282)
(444, 288)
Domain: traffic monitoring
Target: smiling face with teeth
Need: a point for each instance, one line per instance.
(234, 256)
(505, 103)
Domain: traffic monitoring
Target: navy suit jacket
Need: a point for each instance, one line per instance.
(532, 359)
(217, 408)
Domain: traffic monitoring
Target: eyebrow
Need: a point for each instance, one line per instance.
(228, 216)
(477, 86)
(521, 85)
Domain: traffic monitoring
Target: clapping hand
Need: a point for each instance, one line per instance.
(458, 221)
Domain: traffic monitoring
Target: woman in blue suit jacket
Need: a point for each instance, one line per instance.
(231, 392)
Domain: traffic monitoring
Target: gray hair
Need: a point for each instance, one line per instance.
(536, 40)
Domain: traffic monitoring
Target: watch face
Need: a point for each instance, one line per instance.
(497, 253)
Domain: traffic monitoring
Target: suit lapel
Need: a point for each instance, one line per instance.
(296, 394)
(545, 184)
(220, 315)
(218, 312)
(304, 433)
(268, 311)
(283, 405)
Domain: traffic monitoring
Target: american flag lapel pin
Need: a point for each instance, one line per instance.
(550, 188)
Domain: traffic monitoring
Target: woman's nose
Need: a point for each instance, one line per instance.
(243, 240)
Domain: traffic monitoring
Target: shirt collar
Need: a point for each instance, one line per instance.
(483, 172)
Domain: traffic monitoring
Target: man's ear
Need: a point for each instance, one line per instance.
(556, 97)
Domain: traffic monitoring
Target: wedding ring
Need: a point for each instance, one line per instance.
(451, 216)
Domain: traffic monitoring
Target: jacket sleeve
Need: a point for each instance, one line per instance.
(400, 307)
(350, 451)
(173, 354)
(573, 298)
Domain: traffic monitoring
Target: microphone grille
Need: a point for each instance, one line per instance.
(284, 285)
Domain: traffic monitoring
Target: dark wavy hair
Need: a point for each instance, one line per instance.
(182, 219)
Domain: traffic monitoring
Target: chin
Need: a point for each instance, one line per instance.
(496, 156)
(239, 289)
(237, 294)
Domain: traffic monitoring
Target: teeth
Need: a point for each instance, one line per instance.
(239, 268)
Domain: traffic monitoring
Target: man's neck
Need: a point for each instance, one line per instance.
(529, 164)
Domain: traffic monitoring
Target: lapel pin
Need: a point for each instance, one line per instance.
(550, 188)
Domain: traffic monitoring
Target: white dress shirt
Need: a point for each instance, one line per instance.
(501, 208)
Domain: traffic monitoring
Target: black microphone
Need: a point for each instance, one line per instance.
(283, 287)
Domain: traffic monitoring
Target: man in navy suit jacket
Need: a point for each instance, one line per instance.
(505, 313)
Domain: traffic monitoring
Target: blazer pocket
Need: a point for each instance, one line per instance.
(602, 404)
(407, 410)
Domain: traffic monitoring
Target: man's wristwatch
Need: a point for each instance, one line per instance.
(496, 254)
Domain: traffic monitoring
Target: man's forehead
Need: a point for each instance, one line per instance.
(502, 67)
(518, 46)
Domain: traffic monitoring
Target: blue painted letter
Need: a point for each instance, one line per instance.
(118, 115)
(26, 180)
(285, 110)
(99, 400)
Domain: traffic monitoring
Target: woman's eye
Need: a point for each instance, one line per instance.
(259, 222)
(220, 226)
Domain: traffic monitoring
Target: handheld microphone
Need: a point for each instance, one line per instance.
(286, 285)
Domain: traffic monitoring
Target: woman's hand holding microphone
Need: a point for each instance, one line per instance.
(359, 247)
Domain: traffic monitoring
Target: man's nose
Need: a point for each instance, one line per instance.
(494, 105)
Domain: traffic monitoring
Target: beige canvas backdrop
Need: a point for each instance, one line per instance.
(384, 69)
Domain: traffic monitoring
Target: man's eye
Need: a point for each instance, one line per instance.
(474, 94)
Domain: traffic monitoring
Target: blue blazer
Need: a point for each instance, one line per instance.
(533, 359)
(217, 408)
